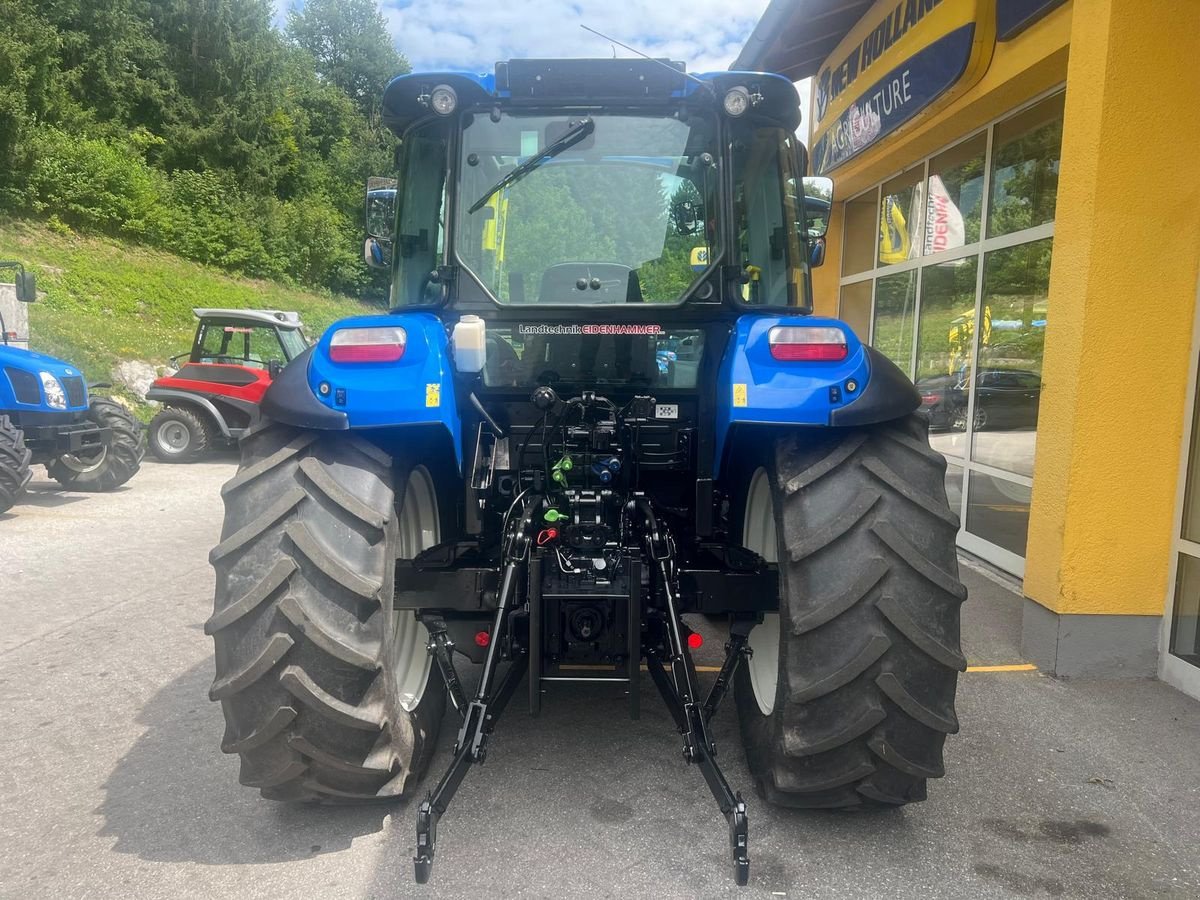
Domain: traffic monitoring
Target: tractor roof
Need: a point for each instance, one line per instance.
(567, 82)
(278, 318)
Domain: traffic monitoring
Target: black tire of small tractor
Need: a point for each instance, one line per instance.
(870, 601)
(122, 460)
(14, 464)
(198, 428)
(304, 579)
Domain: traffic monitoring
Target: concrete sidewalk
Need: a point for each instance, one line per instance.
(113, 784)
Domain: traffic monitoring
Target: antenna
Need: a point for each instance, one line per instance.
(684, 73)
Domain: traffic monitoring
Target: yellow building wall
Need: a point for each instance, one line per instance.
(1033, 62)
(1122, 290)
(1122, 295)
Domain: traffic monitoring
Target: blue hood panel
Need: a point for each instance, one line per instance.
(32, 361)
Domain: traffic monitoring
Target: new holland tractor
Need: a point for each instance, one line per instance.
(47, 418)
(501, 472)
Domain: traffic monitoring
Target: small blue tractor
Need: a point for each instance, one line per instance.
(47, 418)
(599, 410)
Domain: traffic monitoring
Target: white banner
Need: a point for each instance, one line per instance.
(943, 220)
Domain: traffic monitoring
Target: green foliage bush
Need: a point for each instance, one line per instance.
(200, 129)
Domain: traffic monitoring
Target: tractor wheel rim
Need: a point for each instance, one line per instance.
(84, 466)
(174, 437)
(758, 534)
(420, 529)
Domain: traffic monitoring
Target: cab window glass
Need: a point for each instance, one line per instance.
(767, 198)
(418, 246)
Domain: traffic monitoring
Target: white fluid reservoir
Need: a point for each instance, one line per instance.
(470, 344)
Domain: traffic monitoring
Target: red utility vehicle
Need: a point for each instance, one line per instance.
(213, 397)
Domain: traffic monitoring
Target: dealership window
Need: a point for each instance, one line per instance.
(946, 269)
(1181, 657)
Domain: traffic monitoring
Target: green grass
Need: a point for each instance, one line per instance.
(107, 301)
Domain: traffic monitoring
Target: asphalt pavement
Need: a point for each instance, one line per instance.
(112, 783)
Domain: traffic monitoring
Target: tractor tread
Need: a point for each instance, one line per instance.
(15, 458)
(804, 690)
(804, 742)
(820, 538)
(890, 684)
(908, 625)
(919, 562)
(298, 624)
(884, 749)
(806, 621)
(324, 481)
(255, 529)
(250, 601)
(323, 757)
(869, 666)
(930, 504)
(276, 722)
(291, 769)
(309, 547)
(347, 648)
(826, 465)
(282, 455)
(125, 451)
(272, 652)
(303, 688)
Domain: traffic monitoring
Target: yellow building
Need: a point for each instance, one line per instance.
(1016, 223)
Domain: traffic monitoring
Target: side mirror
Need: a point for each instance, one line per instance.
(26, 287)
(274, 368)
(377, 253)
(381, 207)
(816, 252)
(818, 203)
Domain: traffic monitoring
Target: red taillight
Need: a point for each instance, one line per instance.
(482, 638)
(807, 343)
(362, 345)
(695, 641)
(929, 398)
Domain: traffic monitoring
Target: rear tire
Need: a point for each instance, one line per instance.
(849, 696)
(178, 435)
(116, 465)
(14, 464)
(328, 693)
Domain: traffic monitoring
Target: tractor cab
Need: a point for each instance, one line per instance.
(214, 395)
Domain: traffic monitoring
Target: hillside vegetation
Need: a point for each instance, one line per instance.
(106, 301)
(200, 128)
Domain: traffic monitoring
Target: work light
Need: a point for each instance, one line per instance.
(443, 99)
(737, 101)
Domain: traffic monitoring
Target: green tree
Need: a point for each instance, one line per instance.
(351, 47)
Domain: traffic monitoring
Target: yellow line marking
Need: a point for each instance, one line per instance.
(1018, 667)
(1015, 667)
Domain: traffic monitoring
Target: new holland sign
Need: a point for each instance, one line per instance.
(901, 57)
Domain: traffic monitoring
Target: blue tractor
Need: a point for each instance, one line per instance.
(47, 418)
(501, 471)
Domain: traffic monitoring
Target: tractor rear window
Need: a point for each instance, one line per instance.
(587, 209)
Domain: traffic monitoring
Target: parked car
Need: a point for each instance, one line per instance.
(1004, 398)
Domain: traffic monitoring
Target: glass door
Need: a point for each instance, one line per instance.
(1180, 660)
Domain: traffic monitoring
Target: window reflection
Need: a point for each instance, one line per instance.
(1185, 624)
(900, 216)
(1025, 157)
(895, 302)
(954, 487)
(998, 511)
(954, 196)
(1008, 382)
(944, 350)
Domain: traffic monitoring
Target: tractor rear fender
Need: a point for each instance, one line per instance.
(755, 389)
(417, 389)
(171, 397)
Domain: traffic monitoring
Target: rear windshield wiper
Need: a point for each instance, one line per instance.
(565, 141)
